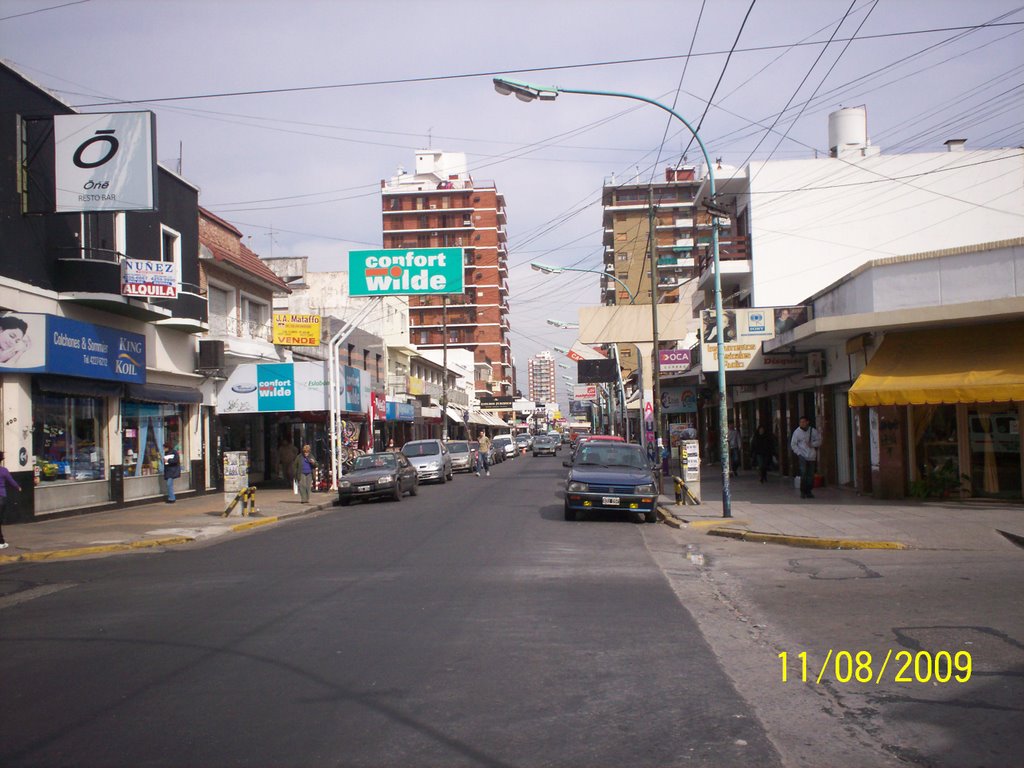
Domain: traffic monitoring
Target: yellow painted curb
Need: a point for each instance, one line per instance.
(254, 523)
(57, 554)
(808, 542)
(726, 521)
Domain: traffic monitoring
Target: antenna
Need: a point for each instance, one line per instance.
(430, 139)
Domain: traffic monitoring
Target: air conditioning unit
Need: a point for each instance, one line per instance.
(211, 357)
(815, 365)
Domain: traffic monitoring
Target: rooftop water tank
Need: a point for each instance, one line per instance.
(847, 130)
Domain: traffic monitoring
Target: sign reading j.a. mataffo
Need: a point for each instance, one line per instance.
(405, 271)
(105, 162)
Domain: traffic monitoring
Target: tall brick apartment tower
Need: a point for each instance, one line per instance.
(441, 206)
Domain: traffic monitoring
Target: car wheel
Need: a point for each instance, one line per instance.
(415, 487)
(344, 502)
(535, 454)
(451, 474)
(570, 514)
(652, 516)
(397, 496)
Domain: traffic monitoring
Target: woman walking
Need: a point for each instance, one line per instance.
(6, 481)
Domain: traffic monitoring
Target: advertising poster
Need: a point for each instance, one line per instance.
(293, 330)
(36, 343)
(678, 399)
(405, 272)
(149, 279)
(275, 387)
(743, 331)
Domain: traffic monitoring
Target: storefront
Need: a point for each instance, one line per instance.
(943, 410)
(269, 410)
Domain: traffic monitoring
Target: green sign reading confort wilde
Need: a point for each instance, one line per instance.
(405, 271)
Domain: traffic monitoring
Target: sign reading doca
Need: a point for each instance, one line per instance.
(405, 271)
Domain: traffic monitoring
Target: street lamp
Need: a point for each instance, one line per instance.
(528, 92)
(547, 269)
(562, 324)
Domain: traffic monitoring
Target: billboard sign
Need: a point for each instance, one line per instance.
(37, 343)
(584, 392)
(405, 272)
(157, 279)
(596, 371)
(674, 360)
(281, 387)
(105, 162)
(743, 331)
(496, 403)
(580, 351)
(291, 330)
(678, 400)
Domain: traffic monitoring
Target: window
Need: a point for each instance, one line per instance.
(68, 438)
(255, 319)
(145, 429)
(218, 308)
(170, 249)
(423, 337)
(622, 255)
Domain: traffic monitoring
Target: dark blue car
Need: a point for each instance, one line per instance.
(611, 476)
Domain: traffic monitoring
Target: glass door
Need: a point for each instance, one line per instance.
(994, 435)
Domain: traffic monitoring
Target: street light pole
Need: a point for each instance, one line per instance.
(527, 92)
(550, 270)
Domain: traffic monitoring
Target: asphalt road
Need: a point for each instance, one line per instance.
(470, 625)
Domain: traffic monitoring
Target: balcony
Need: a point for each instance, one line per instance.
(231, 327)
(734, 256)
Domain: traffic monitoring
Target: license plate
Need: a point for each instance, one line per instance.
(363, 488)
(610, 501)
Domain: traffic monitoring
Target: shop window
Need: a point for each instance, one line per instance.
(145, 429)
(936, 449)
(68, 438)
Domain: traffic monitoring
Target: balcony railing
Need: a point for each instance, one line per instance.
(221, 325)
(731, 248)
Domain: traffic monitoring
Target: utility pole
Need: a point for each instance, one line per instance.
(444, 366)
(656, 357)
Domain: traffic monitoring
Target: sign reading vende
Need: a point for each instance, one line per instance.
(405, 271)
(149, 278)
(296, 330)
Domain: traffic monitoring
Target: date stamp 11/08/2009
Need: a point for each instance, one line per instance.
(863, 667)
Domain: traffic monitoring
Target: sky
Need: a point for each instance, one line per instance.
(288, 114)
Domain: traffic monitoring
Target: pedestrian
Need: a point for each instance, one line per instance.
(805, 443)
(763, 448)
(172, 469)
(391, 444)
(303, 468)
(733, 438)
(6, 481)
(485, 454)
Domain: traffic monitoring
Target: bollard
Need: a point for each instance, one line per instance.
(248, 498)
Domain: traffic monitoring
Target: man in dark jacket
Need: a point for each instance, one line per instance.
(172, 469)
(763, 449)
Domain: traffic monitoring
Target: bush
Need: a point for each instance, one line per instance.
(939, 483)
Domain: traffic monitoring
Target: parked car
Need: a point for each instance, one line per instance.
(463, 456)
(504, 445)
(431, 459)
(584, 439)
(524, 440)
(385, 475)
(607, 475)
(545, 444)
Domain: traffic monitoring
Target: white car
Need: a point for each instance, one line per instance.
(506, 445)
(431, 459)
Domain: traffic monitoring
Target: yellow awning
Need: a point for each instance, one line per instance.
(962, 364)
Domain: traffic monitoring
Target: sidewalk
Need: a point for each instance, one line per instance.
(146, 526)
(838, 518)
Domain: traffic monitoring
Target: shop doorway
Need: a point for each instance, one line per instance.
(994, 444)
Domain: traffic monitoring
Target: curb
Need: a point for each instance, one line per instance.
(808, 542)
(100, 549)
(56, 554)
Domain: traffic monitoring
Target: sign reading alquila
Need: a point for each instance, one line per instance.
(405, 271)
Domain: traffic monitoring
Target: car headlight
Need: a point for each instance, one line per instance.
(385, 480)
(577, 487)
(431, 465)
(344, 484)
(648, 489)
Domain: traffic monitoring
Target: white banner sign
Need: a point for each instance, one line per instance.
(584, 392)
(105, 162)
(580, 351)
(149, 278)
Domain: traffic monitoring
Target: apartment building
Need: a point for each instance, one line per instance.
(541, 378)
(440, 205)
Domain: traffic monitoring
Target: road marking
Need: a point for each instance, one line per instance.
(9, 601)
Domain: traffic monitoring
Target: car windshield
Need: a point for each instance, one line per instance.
(501, 440)
(458, 447)
(522, 439)
(375, 461)
(613, 455)
(420, 449)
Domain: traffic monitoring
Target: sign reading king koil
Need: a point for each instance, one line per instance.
(405, 271)
(296, 330)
